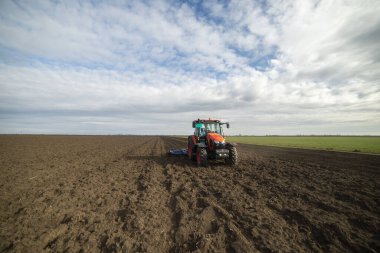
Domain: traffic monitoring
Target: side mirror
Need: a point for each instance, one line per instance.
(228, 125)
(193, 124)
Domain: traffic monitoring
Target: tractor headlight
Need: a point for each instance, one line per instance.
(219, 142)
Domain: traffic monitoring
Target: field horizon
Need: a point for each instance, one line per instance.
(366, 144)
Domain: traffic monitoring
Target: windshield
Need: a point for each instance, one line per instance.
(200, 130)
(213, 127)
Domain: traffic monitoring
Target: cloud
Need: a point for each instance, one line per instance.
(269, 67)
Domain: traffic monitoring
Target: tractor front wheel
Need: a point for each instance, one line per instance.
(201, 157)
(233, 156)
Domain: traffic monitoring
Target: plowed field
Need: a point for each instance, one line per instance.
(124, 194)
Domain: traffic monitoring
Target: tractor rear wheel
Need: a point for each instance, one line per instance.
(202, 157)
(233, 156)
(190, 154)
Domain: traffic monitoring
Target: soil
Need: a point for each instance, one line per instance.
(125, 194)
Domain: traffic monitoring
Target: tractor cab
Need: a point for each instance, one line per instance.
(203, 127)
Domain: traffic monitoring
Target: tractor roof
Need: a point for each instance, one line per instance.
(206, 120)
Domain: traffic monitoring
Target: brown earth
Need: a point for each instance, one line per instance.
(124, 194)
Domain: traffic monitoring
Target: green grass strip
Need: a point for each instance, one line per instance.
(365, 144)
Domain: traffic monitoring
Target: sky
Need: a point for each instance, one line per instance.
(151, 67)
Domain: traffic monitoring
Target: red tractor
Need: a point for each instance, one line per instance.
(208, 143)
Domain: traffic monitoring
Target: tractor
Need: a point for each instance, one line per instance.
(208, 143)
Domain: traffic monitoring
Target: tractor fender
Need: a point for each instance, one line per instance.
(231, 144)
(191, 140)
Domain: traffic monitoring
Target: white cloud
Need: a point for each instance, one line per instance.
(267, 67)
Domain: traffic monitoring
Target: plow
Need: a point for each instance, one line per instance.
(208, 143)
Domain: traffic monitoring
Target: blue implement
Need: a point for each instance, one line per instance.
(176, 151)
